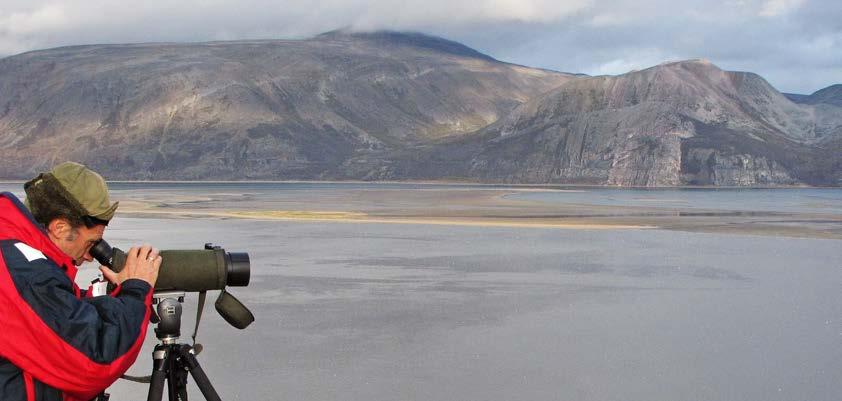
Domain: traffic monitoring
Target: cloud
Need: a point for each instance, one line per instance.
(47, 17)
(33, 24)
(793, 43)
(419, 13)
(629, 60)
(799, 51)
(775, 8)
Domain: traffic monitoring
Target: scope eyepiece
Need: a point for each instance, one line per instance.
(103, 253)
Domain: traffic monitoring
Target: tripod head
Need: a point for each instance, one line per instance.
(168, 310)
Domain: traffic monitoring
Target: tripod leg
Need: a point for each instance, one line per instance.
(182, 394)
(177, 378)
(189, 360)
(160, 359)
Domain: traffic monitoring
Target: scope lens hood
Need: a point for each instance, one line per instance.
(238, 269)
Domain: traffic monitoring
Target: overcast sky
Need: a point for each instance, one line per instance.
(795, 44)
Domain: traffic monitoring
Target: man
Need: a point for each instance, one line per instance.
(58, 342)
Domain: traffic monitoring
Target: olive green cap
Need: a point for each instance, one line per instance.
(82, 185)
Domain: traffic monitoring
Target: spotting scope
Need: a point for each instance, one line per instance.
(187, 270)
(194, 270)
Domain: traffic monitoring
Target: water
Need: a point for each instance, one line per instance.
(370, 311)
(790, 200)
(384, 312)
(787, 200)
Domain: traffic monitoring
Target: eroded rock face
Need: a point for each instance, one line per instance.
(711, 167)
(639, 129)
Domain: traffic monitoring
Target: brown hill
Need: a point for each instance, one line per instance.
(250, 109)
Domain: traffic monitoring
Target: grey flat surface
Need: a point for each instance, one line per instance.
(349, 311)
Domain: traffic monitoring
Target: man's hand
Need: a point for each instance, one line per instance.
(142, 263)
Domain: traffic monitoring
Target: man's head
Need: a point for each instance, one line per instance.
(71, 201)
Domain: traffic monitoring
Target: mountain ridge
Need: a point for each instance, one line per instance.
(829, 95)
(401, 106)
(416, 39)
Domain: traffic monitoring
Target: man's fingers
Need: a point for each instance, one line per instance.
(109, 274)
(153, 254)
(145, 250)
(142, 263)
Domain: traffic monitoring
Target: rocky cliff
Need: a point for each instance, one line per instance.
(683, 123)
(402, 106)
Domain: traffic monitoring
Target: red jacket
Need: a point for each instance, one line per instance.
(56, 344)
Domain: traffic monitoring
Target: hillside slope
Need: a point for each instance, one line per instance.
(259, 109)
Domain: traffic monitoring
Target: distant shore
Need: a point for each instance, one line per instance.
(450, 183)
(459, 206)
(341, 217)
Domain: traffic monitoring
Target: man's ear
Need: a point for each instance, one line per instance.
(59, 227)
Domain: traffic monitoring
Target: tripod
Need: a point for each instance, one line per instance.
(172, 360)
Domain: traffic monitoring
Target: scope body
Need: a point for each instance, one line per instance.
(187, 269)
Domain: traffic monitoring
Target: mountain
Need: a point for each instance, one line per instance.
(398, 106)
(682, 123)
(831, 95)
(796, 97)
(410, 39)
(283, 109)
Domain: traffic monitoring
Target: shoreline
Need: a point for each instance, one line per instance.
(455, 183)
(629, 222)
(479, 206)
(342, 217)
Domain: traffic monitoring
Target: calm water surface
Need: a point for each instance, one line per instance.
(385, 312)
(355, 311)
(805, 200)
